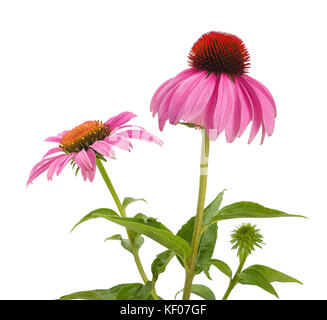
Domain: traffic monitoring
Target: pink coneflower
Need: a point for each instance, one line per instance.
(215, 93)
(86, 142)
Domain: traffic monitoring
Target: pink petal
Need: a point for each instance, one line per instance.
(54, 166)
(119, 141)
(120, 119)
(83, 160)
(104, 148)
(141, 135)
(267, 104)
(233, 125)
(92, 158)
(63, 164)
(265, 91)
(256, 107)
(154, 105)
(177, 103)
(51, 151)
(225, 103)
(40, 167)
(198, 100)
(246, 107)
(53, 139)
(163, 98)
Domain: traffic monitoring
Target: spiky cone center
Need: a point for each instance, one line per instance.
(245, 238)
(219, 52)
(82, 136)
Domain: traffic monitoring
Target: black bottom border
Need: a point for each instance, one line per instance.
(165, 309)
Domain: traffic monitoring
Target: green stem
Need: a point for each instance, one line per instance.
(234, 280)
(122, 212)
(198, 218)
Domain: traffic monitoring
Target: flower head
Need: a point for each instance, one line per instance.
(245, 237)
(215, 93)
(89, 140)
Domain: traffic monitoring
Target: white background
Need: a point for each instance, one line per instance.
(65, 62)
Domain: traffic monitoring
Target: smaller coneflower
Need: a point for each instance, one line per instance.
(215, 93)
(88, 141)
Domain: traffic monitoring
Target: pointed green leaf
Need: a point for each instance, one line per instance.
(126, 243)
(220, 265)
(160, 263)
(189, 125)
(212, 209)
(135, 291)
(201, 291)
(207, 242)
(273, 275)
(102, 212)
(256, 278)
(154, 230)
(114, 237)
(249, 210)
(128, 200)
(98, 294)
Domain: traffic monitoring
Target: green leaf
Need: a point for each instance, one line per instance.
(207, 242)
(135, 291)
(98, 294)
(273, 275)
(126, 243)
(201, 291)
(190, 125)
(256, 278)
(102, 212)
(126, 291)
(160, 263)
(212, 209)
(248, 210)
(220, 265)
(128, 200)
(154, 230)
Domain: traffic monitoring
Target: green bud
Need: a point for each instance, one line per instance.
(245, 237)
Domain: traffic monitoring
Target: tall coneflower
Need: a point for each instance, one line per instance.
(216, 95)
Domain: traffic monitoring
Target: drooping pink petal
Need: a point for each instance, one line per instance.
(104, 148)
(256, 107)
(166, 86)
(92, 158)
(40, 167)
(154, 105)
(197, 101)
(246, 107)
(164, 97)
(51, 151)
(54, 166)
(141, 135)
(176, 106)
(83, 160)
(120, 119)
(265, 91)
(234, 122)
(225, 103)
(267, 104)
(63, 164)
(119, 141)
(210, 111)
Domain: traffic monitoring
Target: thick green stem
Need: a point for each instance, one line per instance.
(198, 218)
(234, 280)
(122, 212)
